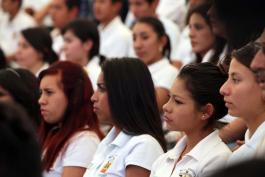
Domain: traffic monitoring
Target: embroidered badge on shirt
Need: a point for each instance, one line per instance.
(107, 165)
(187, 173)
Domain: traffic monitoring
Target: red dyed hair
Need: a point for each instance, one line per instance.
(79, 113)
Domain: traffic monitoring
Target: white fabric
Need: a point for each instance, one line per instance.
(115, 153)
(78, 153)
(35, 4)
(58, 43)
(163, 73)
(174, 10)
(209, 154)
(184, 49)
(93, 70)
(173, 33)
(10, 30)
(115, 39)
(248, 150)
(44, 66)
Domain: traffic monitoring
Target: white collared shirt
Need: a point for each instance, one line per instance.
(115, 39)
(163, 73)
(10, 30)
(93, 70)
(115, 153)
(43, 67)
(78, 153)
(209, 154)
(248, 150)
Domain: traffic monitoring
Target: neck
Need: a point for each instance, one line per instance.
(195, 137)
(12, 14)
(253, 124)
(106, 22)
(34, 69)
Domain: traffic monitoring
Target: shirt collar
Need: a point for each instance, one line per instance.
(111, 25)
(158, 65)
(255, 138)
(120, 140)
(199, 151)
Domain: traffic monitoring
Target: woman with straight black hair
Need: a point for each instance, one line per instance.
(35, 51)
(125, 99)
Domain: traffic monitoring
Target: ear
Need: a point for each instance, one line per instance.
(88, 45)
(207, 111)
(163, 41)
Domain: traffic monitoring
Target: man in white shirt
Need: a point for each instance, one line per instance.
(62, 12)
(115, 37)
(143, 8)
(11, 24)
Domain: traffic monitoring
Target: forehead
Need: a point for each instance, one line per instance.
(52, 81)
(138, 2)
(140, 26)
(58, 2)
(179, 88)
(237, 67)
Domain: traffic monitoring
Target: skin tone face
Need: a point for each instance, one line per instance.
(27, 57)
(141, 8)
(147, 45)
(60, 14)
(199, 32)
(180, 112)
(237, 89)
(53, 102)
(105, 10)
(5, 96)
(75, 50)
(101, 102)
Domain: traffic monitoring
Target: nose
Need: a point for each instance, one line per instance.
(42, 100)
(137, 43)
(166, 107)
(224, 90)
(191, 33)
(94, 97)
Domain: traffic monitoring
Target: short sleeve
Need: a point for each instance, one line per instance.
(81, 149)
(144, 153)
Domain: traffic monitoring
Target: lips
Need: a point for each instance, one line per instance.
(43, 112)
(166, 119)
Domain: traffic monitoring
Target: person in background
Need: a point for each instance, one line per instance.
(152, 46)
(125, 99)
(200, 29)
(19, 151)
(21, 86)
(62, 12)
(194, 106)
(115, 37)
(81, 46)
(69, 131)
(236, 91)
(35, 51)
(147, 8)
(11, 24)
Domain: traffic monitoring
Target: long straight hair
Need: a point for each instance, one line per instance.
(132, 98)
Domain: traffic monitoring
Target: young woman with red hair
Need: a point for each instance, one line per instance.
(69, 132)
